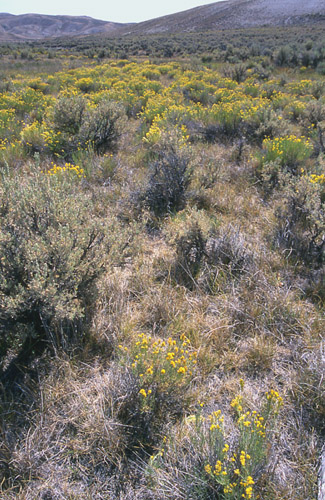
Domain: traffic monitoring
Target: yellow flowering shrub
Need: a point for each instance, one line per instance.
(213, 462)
(66, 169)
(294, 110)
(7, 123)
(317, 179)
(38, 84)
(290, 151)
(86, 85)
(160, 365)
(32, 138)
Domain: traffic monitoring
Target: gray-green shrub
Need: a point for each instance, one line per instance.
(169, 176)
(52, 249)
(68, 114)
(301, 219)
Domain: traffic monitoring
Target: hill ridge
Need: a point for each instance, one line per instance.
(32, 26)
(227, 14)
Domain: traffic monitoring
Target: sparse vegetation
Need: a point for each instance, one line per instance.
(162, 239)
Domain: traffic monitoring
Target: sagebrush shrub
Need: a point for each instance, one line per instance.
(236, 72)
(101, 127)
(169, 176)
(68, 114)
(314, 121)
(190, 250)
(301, 218)
(229, 248)
(309, 386)
(80, 127)
(52, 249)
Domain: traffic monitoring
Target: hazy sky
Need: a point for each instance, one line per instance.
(122, 11)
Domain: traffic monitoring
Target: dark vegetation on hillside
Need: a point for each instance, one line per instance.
(162, 267)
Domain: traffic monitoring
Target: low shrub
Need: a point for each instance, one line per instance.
(51, 253)
(169, 176)
(309, 385)
(199, 462)
(164, 370)
(77, 127)
(236, 72)
(190, 251)
(87, 85)
(229, 249)
(224, 122)
(301, 218)
(68, 114)
(291, 151)
(313, 121)
(32, 139)
(102, 127)
(204, 252)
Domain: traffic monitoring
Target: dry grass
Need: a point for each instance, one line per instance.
(78, 427)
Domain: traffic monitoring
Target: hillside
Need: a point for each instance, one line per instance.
(229, 14)
(37, 26)
(236, 14)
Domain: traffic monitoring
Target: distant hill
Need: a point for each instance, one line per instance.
(37, 26)
(228, 14)
(231, 14)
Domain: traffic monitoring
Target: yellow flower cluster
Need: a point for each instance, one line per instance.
(294, 109)
(274, 396)
(216, 418)
(163, 356)
(300, 88)
(85, 84)
(66, 168)
(217, 470)
(7, 117)
(163, 364)
(233, 479)
(250, 421)
(144, 393)
(278, 143)
(317, 179)
(274, 402)
(289, 150)
(243, 457)
(3, 144)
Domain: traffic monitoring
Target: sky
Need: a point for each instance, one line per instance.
(121, 11)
